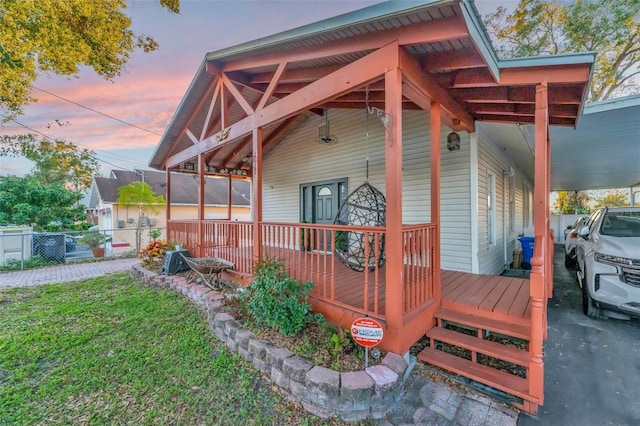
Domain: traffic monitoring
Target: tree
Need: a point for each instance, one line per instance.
(29, 201)
(609, 27)
(59, 37)
(611, 198)
(141, 196)
(569, 202)
(56, 161)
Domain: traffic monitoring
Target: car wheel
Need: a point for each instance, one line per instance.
(569, 259)
(589, 307)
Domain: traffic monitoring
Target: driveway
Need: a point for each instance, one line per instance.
(592, 367)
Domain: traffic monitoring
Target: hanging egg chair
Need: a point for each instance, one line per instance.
(365, 206)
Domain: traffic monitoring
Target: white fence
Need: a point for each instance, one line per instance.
(560, 222)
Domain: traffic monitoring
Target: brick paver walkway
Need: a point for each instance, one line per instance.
(64, 273)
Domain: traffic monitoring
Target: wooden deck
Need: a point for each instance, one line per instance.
(335, 282)
(488, 296)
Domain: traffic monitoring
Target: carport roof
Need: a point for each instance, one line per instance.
(602, 152)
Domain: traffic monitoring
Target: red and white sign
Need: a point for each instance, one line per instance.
(366, 332)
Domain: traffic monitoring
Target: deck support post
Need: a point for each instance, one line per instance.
(256, 189)
(435, 124)
(538, 284)
(393, 239)
(201, 204)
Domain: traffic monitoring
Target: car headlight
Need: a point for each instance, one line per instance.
(612, 260)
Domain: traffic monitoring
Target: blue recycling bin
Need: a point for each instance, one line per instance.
(527, 250)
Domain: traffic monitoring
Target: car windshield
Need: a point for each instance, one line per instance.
(621, 224)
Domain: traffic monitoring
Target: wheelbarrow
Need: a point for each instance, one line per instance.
(208, 268)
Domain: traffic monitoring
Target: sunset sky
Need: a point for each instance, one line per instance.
(150, 89)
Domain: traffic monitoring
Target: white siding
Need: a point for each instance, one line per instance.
(491, 159)
(299, 159)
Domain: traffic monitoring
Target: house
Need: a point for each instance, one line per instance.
(390, 166)
(222, 201)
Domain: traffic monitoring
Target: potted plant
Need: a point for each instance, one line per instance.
(95, 240)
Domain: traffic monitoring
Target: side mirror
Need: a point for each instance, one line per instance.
(584, 232)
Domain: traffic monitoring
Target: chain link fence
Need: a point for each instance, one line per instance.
(22, 248)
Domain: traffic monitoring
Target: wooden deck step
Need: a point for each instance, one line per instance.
(497, 326)
(505, 382)
(485, 347)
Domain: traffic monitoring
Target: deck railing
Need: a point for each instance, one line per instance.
(232, 241)
(308, 251)
(418, 285)
(185, 232)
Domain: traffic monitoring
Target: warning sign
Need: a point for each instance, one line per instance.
(366, 332)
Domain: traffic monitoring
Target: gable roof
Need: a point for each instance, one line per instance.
(184, 188)
(445, 38)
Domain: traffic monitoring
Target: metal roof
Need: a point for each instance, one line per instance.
(464, 66)
(602, 152)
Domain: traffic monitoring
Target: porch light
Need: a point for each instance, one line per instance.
(189, 165)
(453, 141)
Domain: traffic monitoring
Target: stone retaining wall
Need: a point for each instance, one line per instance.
(354, 395)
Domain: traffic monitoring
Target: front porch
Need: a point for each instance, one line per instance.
(487, 304)
(256, 110)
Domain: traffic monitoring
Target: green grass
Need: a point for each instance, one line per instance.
(111, 351)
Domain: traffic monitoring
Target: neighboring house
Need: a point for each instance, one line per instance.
(411, 98)
(121, 221)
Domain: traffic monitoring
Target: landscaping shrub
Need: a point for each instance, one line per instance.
(277, 300)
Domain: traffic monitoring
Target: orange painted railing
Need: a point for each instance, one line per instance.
(184, 232)
(308, 252)
(418, 278)
(228, 240)
(231, 241)
(540, 287)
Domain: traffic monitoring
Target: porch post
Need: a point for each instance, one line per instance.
(256, 193)
(201, 202)
(435, 196)
(393, 171)
(541, 231)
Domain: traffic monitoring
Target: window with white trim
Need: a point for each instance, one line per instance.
(491, 208)
(526, 209)
(512, 202)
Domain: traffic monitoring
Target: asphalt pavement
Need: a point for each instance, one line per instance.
(592, 367)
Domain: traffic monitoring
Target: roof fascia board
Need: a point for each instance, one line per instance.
(378, 11)
(479, 36)
(583, 58)
(612, 104)
(157, 163)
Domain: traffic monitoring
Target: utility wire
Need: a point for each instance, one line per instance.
(53, 139)
(98, 112)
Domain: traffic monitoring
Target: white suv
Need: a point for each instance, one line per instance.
(608, 263)
(570, 238)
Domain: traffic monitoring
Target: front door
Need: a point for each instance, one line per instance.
(325, 210)
(320, 202)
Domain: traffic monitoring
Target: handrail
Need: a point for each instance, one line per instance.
(308, 252)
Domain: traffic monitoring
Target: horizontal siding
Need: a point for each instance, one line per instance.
(299, 159)
(491, 159)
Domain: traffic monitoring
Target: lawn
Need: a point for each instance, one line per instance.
(112, 351)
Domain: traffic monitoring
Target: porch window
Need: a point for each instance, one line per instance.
(491, 208)
(526, 216)
(512, 203)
